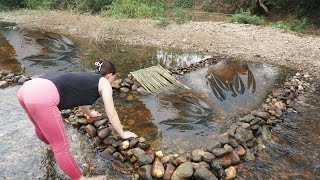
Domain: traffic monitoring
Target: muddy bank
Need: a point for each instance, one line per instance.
(253, 43)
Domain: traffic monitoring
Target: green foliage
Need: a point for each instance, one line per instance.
(134, 9)
(208, 7)
(299, 26)
(245, 17)
(183, 4)
(11, 4)
(302, 8)
(93, 6)
(181, 16)
(281, 25)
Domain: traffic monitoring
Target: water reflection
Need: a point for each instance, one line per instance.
(191, 113)
(34, 51)
(227, 79)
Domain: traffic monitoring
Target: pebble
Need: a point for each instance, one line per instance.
(183, 171)
(231, 173)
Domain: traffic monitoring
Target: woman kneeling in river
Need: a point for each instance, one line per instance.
(43, 97)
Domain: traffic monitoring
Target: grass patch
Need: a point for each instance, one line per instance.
(133, 9)
(245, 17)
(298, 26)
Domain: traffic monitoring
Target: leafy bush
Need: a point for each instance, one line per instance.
(134, 9)
(11, 4)
(245, 17)
(299, 26)
(93, 6)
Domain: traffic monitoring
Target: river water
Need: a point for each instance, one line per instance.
(191, 116)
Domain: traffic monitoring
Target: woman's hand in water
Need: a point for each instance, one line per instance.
(128, 134)
(95, 113)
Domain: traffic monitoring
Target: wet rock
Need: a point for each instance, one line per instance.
(82, 121)
(240, 150)
(208, 157)
(92, 120)
(108, 152)
(91, 130)
(255, 121)
(125, 168)
(157, 169)
(216, 165)
(249, 155)
(66, 113)
(228, 148)
(183, 171)
(134, 87)
(109, 140)
(152, 153)
(101, 122)
(181, 159)
(233, 143)
(133, 142)
(22, 80)
(165, 159)
(197, 154)
(116, 143)
(159, 154)
(212, 145)
(124, 145)
(144, 159)
(231, 173)
(146, 172)
(103, 133)
(247, 118)
(263, 115)
(219, 152)
(202, 173)
(223, 138)
(124, 89)
(133, 159)
(245, 125)
(204, 164)
(143, 146)
(116, 84)
(4, 84)
(142, 91)
(170, 169)
(235, 159)
(225, 161)
(243, 135)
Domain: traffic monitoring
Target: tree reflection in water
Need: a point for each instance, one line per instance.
(228, 79)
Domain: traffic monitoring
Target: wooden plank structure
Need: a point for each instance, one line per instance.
(156, 79)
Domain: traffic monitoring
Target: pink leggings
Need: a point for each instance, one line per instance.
(40, 98)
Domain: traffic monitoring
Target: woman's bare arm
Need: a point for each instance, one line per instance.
(106, 92)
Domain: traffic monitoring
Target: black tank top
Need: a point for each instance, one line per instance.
(75, 88)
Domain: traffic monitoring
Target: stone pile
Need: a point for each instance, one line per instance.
(8, 78)
(218, 160)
